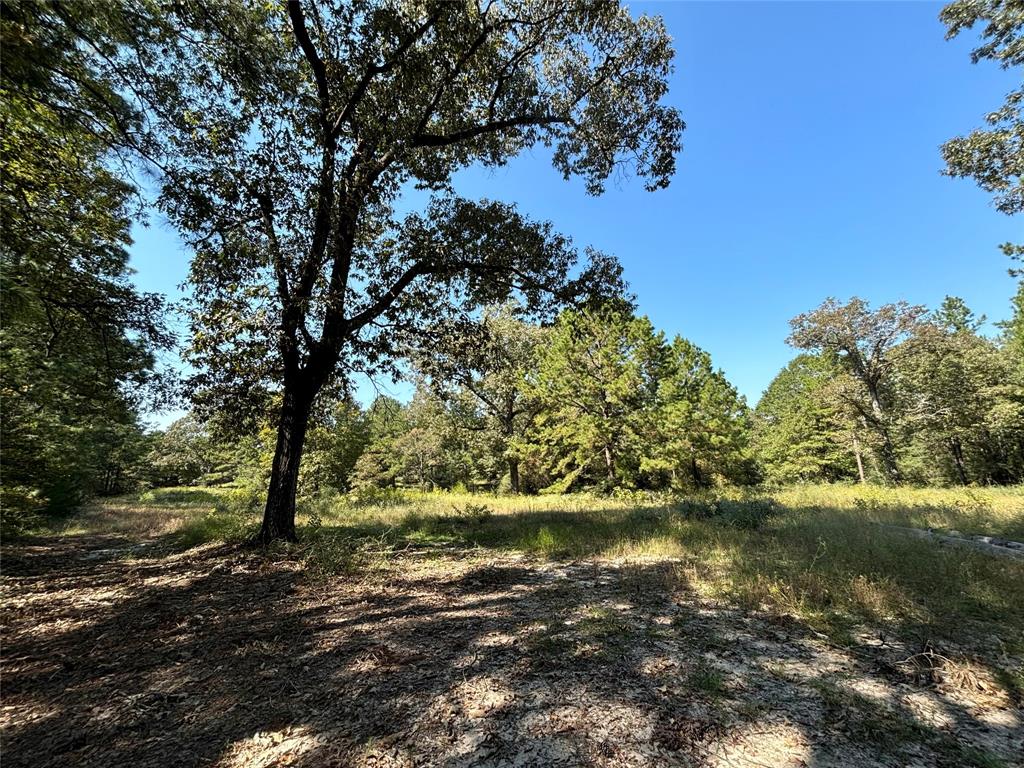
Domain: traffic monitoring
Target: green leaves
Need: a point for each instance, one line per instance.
(78, 342)
(993, 156)
(620, 407)
(923, 393)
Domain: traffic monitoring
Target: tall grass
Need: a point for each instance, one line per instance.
(817, 552)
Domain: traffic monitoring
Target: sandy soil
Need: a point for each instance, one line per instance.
(119, 654)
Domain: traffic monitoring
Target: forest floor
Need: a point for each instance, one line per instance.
(459, 634)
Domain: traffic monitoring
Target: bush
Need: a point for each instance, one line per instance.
(476, 514)
(20, 508)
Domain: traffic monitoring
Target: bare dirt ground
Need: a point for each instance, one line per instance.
(115, 654)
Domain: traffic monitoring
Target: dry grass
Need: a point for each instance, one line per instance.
(736, 628)
(815, 552)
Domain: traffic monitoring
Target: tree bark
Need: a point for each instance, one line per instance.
(888, 456)
(513, 474)
(860, 463)
(698, 479)
(279, 514)
(886, 451)
(958, 459)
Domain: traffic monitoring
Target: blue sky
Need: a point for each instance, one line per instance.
(810, 169)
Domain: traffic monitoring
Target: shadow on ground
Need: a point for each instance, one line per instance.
(117, 655)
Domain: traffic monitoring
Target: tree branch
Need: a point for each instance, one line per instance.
(315, 62)
(379, 69)
(382, 304)
(433, 140)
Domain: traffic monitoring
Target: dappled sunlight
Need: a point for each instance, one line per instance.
(548, 631)
(776, 744)
(272, 748)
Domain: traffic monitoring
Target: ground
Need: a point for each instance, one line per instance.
(449, 640)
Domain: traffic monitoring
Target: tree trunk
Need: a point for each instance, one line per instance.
(888, 456)
(609, 464)
(958, 459)
(698, 479)
(279, 515)
(860, 462)
(513, 474)
(886, 451)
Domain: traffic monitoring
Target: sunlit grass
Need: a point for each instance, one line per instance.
(815, 552)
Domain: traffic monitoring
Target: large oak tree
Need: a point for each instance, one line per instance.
(295, 136)
(863, 341)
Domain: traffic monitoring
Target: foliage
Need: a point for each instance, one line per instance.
(862, 341)
(289, 133)
(335, 444)
(993, 156)
(701, 427)
(800, 434)
(481, 369)
(963, 405)
(596, 381)
(182, 454)
(938, 402)
(620, 407)
(78, 342)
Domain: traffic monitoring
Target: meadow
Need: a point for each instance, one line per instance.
(822, 552)
(787, 627)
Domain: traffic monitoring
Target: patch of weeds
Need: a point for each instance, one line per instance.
(866, 720)
(751, 710)
(548, 643)
(372, 496)
(648, 584)
(601, 623)
(695, 508)
(473, 513)
(976, 757)
(745, 514)
(1012, 680)
(971, 502)
(331, 553)
(659, 632)
(543, 541)
(231, 519)
(183, 496)
(707, 680)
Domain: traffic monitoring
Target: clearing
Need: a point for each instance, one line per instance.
(429, 629)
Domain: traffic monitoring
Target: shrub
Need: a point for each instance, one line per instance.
(20, 507)
(477, 514)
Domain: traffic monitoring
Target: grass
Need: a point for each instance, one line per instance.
(889, 730)
(814, 552)
(819, 557)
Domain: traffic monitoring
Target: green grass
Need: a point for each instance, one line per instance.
(814, 552)
(891, 730)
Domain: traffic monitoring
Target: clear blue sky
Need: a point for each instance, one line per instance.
(810, 169)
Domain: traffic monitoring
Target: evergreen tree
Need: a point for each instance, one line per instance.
(799, 434)
(596, 376)
(701, 424)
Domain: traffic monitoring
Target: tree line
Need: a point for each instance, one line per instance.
(280, 140)
(601, 400)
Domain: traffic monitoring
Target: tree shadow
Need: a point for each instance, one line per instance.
(223, 656)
